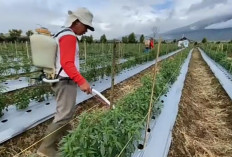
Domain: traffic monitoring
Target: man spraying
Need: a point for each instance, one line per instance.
(67, 68)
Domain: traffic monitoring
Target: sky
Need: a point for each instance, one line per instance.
(114, 18)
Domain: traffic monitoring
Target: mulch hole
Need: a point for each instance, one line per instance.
(4, 121)
(140, 146)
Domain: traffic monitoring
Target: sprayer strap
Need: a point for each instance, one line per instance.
(62, 32)
(59, 73)
(55, 37)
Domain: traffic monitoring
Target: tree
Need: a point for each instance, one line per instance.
(141, 39)
(155, 31)
(204, 40)
(2, 37)
(88, 39)
(103, 39)
(174, 41)
(29, 33)
(131, 38)
(14, 33)
(125, 39)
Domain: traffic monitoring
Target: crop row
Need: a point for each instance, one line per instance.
(105, 133)
(220, 54)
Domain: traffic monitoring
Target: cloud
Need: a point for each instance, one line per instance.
(112, 18)
(206, 4)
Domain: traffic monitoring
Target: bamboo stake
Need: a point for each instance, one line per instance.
(5, 44)
(113, 74)
(11, 46)
(27, 51)
(85, 50)
(152, 94)
(16, 51)
(119, 52)
(102, 48)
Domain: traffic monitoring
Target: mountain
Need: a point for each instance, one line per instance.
(196, 31)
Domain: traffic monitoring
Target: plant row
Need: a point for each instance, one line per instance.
(98, 68)
(220, 54)
(105, 133)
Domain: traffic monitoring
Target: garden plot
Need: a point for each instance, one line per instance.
(40, 112)
(203, 126)
(28, 137)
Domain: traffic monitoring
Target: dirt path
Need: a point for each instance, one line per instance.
(204, 123)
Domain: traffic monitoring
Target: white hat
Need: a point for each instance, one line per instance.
(83, 15)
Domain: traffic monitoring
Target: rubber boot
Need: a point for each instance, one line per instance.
(48, 148)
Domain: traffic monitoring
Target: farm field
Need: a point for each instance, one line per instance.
(17, 144)
(203, 126)
(116, 78)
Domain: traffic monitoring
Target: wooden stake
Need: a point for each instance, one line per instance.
(152, 94)
(85, 50)
(5, 44)
(16, 51)
(27, 51)
(113, 74)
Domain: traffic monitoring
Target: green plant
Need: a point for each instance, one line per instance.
(104, 134)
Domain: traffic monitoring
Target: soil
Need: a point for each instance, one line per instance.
(204, 123)
(32, 136)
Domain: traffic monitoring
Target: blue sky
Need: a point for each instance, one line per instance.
(114, 18)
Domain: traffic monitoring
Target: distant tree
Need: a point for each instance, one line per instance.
(164, 42)
(103, 39)
(141, 39)
(218, 42)
(174, 41)
(204, 40)
(2, 37)
(15, 33)
(131, 38)
(230, 41)
(29, 33)
(195, 43)
(155, 31)
(125, 39)
(88, 39)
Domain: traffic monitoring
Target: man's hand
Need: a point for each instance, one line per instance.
(86, 88)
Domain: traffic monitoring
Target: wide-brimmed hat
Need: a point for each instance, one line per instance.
(83, 15)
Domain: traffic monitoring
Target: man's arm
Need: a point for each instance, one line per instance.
(67, 61)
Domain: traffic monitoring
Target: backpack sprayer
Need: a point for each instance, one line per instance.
(44, 49)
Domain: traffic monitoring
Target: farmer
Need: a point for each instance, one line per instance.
(151, 43)
(67, 67)
(147, 45)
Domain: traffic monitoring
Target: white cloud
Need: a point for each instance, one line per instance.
(112, 18)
